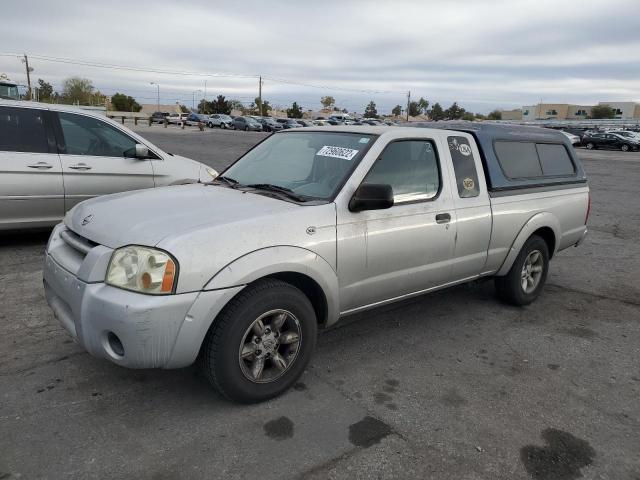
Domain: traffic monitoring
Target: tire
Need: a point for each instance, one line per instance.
(590, 146)
(625, 148)
(210, 125)
(232, 332)
(510, 288)
(246, 129)
(221, 125)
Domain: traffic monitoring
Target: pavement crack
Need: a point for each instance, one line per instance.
(595, 295)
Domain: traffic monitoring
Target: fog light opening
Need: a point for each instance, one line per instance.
(115, 344)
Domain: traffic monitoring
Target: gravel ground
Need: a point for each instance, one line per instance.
(453, 385)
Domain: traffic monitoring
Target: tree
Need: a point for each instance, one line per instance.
(397, 110)
(184, 109)
(344, 110)
(454, 112)
(328, 101)
(78, 90)
(480, 116)
(125, 103)
(436, 113)
(370, 110)
(45, 91)
(495, 115)
(255, 107)
(235, 104)
(603, 111)
(468, 116)
(220, 105)
(414, 109)
(423, 105)
(295, 111)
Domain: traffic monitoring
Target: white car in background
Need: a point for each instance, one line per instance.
(53, 157)
(575, 140)
(177, 118)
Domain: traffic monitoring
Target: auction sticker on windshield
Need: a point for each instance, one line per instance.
(337, 152)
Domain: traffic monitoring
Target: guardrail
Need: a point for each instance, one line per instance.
(128, 115)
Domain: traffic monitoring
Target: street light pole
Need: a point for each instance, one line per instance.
(158, 98)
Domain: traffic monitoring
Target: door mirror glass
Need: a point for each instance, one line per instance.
(372, 196)
(141, 151)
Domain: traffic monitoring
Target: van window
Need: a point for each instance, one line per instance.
(464, 167)
(554, 160)
(518, 159)
(85, 135)
(22, 130)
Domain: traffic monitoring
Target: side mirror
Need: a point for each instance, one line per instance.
(372, 196)
(142, 151)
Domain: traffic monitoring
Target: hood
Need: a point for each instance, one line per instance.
(145, 217)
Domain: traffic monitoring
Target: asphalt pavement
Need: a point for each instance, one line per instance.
(452, 385)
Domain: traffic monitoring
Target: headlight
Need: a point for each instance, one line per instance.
(142, 269)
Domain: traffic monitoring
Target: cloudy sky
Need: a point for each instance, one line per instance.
(483, 54)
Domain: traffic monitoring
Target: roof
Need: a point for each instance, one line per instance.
(54, 106)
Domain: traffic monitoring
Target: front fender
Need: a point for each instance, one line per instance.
(273, 260)
(539, 220)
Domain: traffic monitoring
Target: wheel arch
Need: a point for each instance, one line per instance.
(300, 267)
(544, 224)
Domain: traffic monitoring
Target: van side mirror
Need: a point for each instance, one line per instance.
(142, 151)
(371, 196)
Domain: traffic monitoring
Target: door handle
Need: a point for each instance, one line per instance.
(80, 166)
(41, 166)
(443, 218)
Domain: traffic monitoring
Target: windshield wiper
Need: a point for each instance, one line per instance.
(275, 188)
(232, 182)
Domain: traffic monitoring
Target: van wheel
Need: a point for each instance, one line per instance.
(260, 343)
(528, 274)
(590, 146)
(624, 148)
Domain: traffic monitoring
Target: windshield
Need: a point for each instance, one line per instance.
(312, 164)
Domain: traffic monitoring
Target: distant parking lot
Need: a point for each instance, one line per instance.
(453, 385)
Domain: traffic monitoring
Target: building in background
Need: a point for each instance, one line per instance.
(567, 111)
(624, 110)
(512, 114)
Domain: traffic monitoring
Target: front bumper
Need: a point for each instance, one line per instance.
(154, 331)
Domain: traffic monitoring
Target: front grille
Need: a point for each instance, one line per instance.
(77, 242)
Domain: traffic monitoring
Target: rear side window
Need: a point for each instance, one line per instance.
(554, 160)
(22, 130)
(530, 160)
(518, 159)
(464, 167)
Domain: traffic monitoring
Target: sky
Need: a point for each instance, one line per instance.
(483, 54)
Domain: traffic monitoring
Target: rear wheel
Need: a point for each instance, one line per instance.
(261, 342)
(624, 148)
(528, 274)
(246, 129)
(590, 146)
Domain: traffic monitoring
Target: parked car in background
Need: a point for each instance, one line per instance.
(610, 141)
(304, 123)
(288, 123)
(307, 228)
(626, 134)
(219, 120)
(321, 122)
(333, 121)
(269, 124)
(159, 117)
(196, 118)
(52, 157)
(177, 118)
(574, 139)
(246, 123)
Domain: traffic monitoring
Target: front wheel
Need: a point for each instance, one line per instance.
(260, 343)
(624, 148)
(590, 146)
(528, 274)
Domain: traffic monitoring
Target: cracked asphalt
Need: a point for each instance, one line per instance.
(453, 385)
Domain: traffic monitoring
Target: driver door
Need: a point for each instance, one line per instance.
(97, 159)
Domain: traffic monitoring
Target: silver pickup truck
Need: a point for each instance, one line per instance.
(307, 227)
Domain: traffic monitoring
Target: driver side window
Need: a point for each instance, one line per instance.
(410, 167)
(89, 136)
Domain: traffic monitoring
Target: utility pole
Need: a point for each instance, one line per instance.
(205, 96)
(260, 93)
(408, 103)
(158, 98)
(29, 70)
